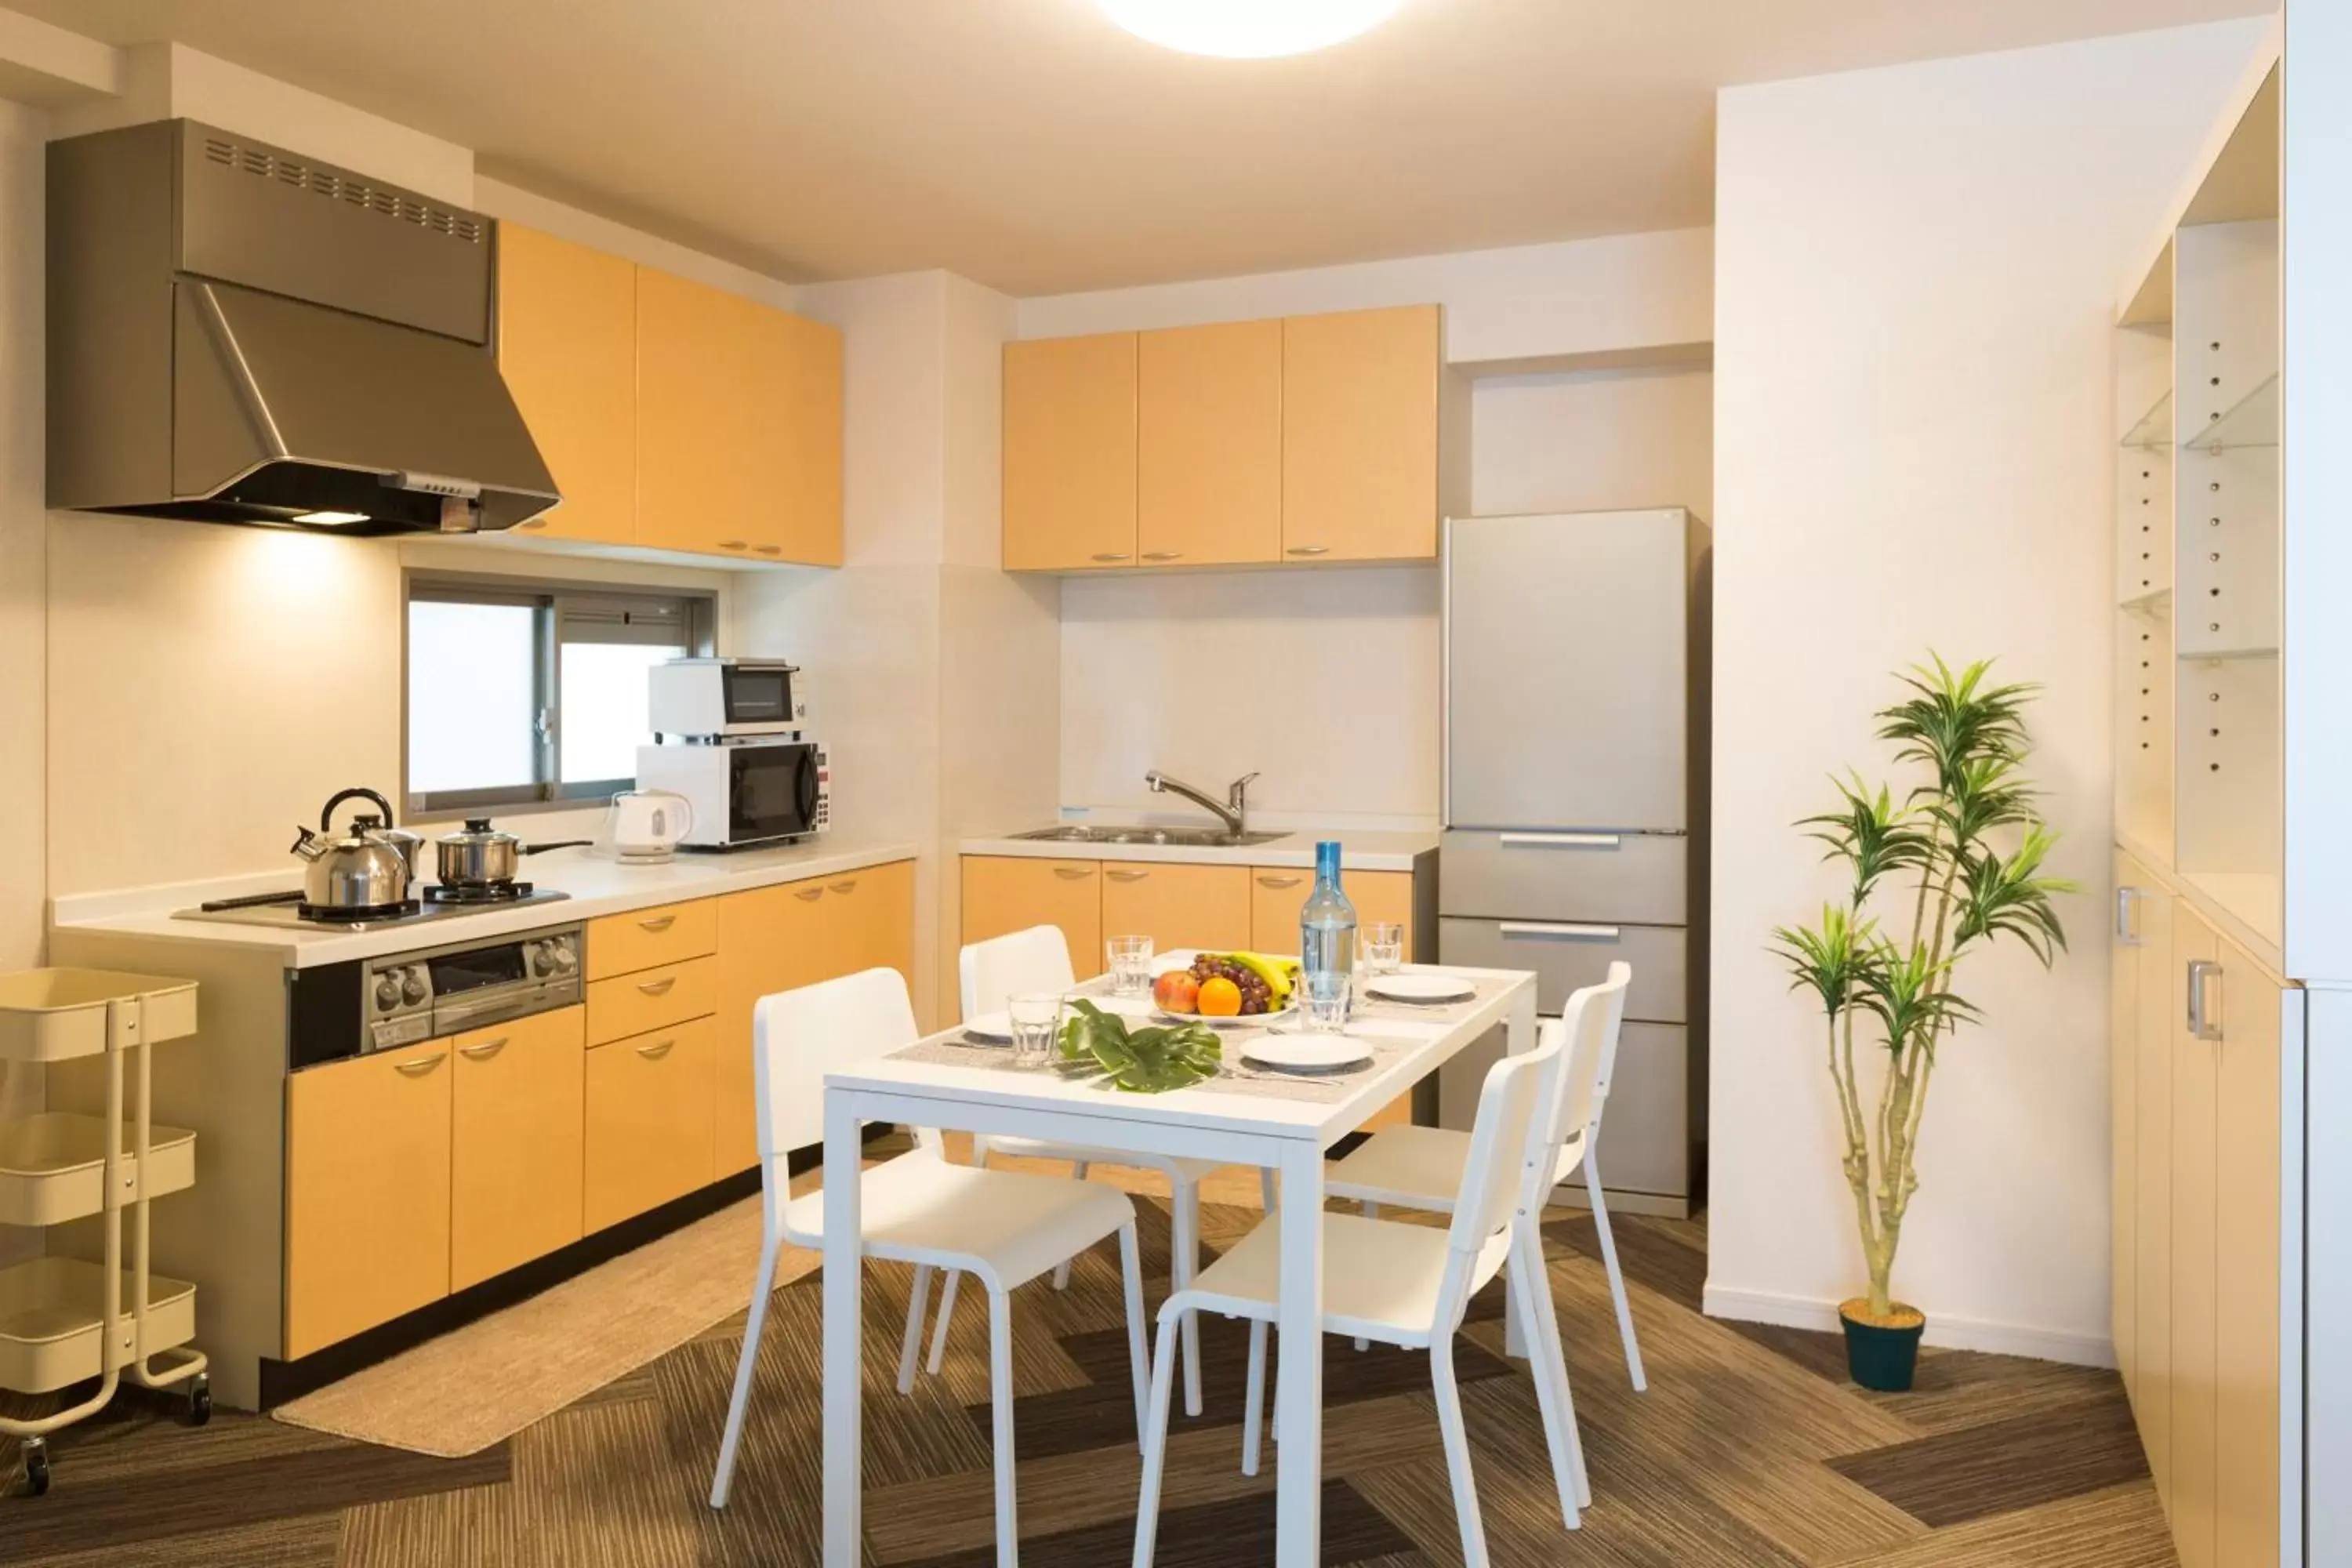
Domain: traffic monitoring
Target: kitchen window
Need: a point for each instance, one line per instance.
(523, 693)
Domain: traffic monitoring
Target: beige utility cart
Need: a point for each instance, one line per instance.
(64, 1319)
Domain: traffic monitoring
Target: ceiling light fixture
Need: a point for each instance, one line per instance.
(1249, 30)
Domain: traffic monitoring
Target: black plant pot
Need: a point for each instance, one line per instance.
(1882, 1356)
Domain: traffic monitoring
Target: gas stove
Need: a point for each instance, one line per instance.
(286, 911)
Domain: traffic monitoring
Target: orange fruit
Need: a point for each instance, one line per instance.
(1220, 999)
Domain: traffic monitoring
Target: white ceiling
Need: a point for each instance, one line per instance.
(1033, 146)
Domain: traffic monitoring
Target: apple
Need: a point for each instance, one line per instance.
(1177, 992)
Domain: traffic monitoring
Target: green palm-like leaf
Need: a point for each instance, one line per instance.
(1872, 833)
(1903, 987)
(1830, 960)
(1953, 717)
(2008, 897)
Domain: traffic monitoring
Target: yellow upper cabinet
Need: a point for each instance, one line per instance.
(1361, 435)
(1070, 453)
(568, 349)
(738, 425)
(1208, 472)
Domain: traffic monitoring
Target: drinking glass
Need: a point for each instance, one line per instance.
(1325, 1002)
(1034, 1022)
(1130, 965)
(1383, 947)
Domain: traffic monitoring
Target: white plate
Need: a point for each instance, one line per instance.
(1307, 1053)
(1233, 1021)
(1424, 989)
(994, 1028)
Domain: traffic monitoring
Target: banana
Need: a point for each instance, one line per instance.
(1279, 973)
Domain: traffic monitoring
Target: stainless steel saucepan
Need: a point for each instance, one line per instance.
(480, 856)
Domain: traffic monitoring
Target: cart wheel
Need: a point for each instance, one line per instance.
(200, 1400)
(36, 1466)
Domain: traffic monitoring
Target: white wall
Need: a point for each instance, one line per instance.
(1206, 673)
(1915, 280)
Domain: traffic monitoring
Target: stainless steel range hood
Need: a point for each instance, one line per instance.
(238, 334)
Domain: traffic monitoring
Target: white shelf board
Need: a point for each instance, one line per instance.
(2221, 654)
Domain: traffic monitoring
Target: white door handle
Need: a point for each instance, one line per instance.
(1563, 840)
(1569, 932)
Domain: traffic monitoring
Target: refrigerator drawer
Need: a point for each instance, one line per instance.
(1568, 955)
(1642, 877)
(1645, 1145)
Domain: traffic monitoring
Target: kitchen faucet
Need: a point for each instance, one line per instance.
(1234, 813)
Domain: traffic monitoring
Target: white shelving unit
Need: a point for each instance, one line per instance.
(66, 1320)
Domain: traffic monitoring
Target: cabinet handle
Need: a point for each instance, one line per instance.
(656, 1051)
(1163, 555)
(1548, 928)
(2204, 1015)
(418, 1067)
(1126, 876)
(659, 922)
(484, 1051)
(808, 895)
(1309, 550)
(1073, 873)
(1279, 881)
(734, 544)
(658, 987)
(1105, 555)
(2128, 916)
(769, 548)
(1562, 840)
(848, 886)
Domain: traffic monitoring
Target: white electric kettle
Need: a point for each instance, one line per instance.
(648, 825)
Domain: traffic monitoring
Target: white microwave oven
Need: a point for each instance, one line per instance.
(745, 792)
(706, 699)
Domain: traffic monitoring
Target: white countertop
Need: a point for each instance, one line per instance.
(1359, 850)
(599, 885)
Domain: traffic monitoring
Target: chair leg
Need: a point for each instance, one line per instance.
(1000, 1392)
(1550, 1375)
(1457, 1452)
(947, 1315)
(1539, 1292)
(1253, 1403)
(1155, 1443)
(1061, 1272)
(1131, 1267)
(762, 1283)
(910, 1343)
(1184, 1261)
(1265, 1189)
(1616, 1276)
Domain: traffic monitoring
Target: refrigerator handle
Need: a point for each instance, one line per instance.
(1564, 840)
(1555, 928)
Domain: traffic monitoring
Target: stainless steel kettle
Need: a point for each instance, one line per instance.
(369, 866)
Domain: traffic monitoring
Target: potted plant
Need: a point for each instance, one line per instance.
(1954, 866)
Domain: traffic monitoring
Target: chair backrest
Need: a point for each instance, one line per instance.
(798, 1037)
(1020, 964)
(1511, 1138)
(1594, 1017)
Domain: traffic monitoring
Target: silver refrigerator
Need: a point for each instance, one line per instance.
(1576, 797)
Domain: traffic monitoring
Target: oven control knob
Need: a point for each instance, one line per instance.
(412, 987)
(387, 993)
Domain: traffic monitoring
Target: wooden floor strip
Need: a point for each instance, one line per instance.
(1237, 1533)
(2000, 1467)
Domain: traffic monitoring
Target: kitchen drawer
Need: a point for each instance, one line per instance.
(1568, 955)
(1636, 876)
(1646, 1124)
(642, 939)
(651, 999)
(648, 1135)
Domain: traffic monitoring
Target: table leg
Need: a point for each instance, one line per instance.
(1299, 1486)
(844, 1485)
(1519, 1036)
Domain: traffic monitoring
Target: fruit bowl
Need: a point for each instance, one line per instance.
(1227, 988)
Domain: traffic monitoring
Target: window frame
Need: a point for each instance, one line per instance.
(554, 602)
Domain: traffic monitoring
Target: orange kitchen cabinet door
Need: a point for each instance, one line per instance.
(1176, 905)
(568, 352)
(770, 940)
(705, 457)
(1006, 893)
(1070, 453)
(1209, 445)
(798, 373)
(648, 1120)
(517, 1095)
(1360, 434)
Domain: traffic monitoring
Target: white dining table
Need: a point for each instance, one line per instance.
(1239, 1120)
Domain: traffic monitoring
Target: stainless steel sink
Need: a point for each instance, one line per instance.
(1180, 838)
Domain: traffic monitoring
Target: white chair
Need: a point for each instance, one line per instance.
(1033, 961)
(1421, 1167)
(919, 1209)
(1408, 1285)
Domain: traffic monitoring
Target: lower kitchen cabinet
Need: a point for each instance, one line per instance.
(1006, 893)
(648, 1122)
(1176, 905)
(1277, 894)
(517, 1093)
(651, 999)
(367, 1192)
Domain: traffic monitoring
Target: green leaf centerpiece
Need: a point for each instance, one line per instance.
(1140, 1061)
